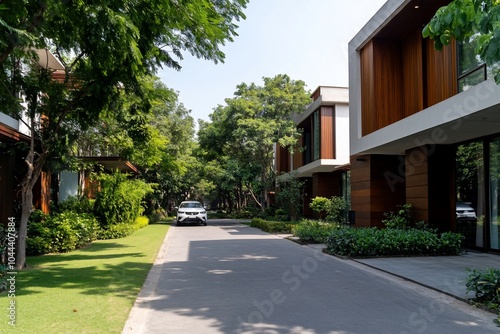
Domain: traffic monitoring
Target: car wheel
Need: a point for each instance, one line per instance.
(205, 223)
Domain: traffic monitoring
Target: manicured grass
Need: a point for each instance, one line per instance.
(90, 290)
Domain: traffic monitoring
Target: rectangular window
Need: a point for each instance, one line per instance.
(317, 135)
(471, 69)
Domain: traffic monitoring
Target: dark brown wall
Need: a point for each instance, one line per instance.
(7, 187)
(376, 187)
(327, 184)
(442, 164)
(417, 182)
(430, 184)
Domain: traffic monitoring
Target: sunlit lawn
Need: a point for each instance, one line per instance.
(86, 291)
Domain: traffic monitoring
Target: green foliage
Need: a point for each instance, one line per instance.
(120, 200)
(272, 226)
(392, 242)
(402, 219)
(486, 286)
(471, 21)
(61, 232)
(245, 131)
(314, 231)
(289, 197)
(333, 209)
(78, 204)
(3, 257)
(122, 230)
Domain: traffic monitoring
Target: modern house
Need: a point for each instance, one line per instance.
(12, 166)
(322, 155)
(424, 127)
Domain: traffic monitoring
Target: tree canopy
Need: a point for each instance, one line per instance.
(105, 48)
(249, 126)
(472, 21)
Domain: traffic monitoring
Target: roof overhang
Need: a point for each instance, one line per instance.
(113, 163)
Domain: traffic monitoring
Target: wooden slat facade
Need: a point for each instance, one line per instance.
(376, 188)
(327, 125)
(402, 77)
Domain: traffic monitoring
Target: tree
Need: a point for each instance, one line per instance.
(472, 21)
(250, 125)
(104, 48)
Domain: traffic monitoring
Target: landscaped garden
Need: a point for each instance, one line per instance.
(89, 290)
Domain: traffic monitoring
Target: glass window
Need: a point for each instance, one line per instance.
(471, 69)
(494, 193)
(470, 204)
(316, 134)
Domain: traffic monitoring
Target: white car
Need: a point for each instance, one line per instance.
(191, 212)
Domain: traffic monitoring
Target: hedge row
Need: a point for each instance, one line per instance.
(314, 231)
(68, 230)
(366, 242)
(272, 226)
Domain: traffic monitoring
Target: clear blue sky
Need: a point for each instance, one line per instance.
(305, 39)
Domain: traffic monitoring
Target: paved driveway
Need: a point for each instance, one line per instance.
(231, 278)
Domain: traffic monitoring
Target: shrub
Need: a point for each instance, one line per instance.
(272, 226)
(485, 285)
(289, 197)
(78, 204)
(62, 232)
(392, 242)
(122, 230)
(313, 231)
(120, 199)
(333, 209)
(402, 219)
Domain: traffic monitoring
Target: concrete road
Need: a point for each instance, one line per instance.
(231, 278)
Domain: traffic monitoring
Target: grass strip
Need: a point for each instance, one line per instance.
(90, 290)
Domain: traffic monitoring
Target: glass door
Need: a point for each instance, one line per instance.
(470, 201)
(494, 167)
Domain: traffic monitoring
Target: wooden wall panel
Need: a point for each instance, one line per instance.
(368, 116)
(388, 82)
(371, 193)
(282, 160)
(298, 156)
(7, 187)
(381, 84)
(41, 193)
(327, 184)
(417, 182)
(327, 133)
(413, 74)
(441, 74)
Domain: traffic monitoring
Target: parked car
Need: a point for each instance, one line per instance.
(191, 212)
(465, 211)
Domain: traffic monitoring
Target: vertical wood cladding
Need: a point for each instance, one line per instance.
(7, 187)
(413, 74)
(41, 193)
(377, 186)
(298, 156)
(381, 84)
(441, 73)
(282, 160)
(417, 181)
(327, 124)
(402, 77)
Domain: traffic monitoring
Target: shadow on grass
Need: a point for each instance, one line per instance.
(117, 279)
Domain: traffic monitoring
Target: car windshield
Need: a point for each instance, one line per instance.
(191, 205)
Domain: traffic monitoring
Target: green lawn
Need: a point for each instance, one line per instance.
(90, 290)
